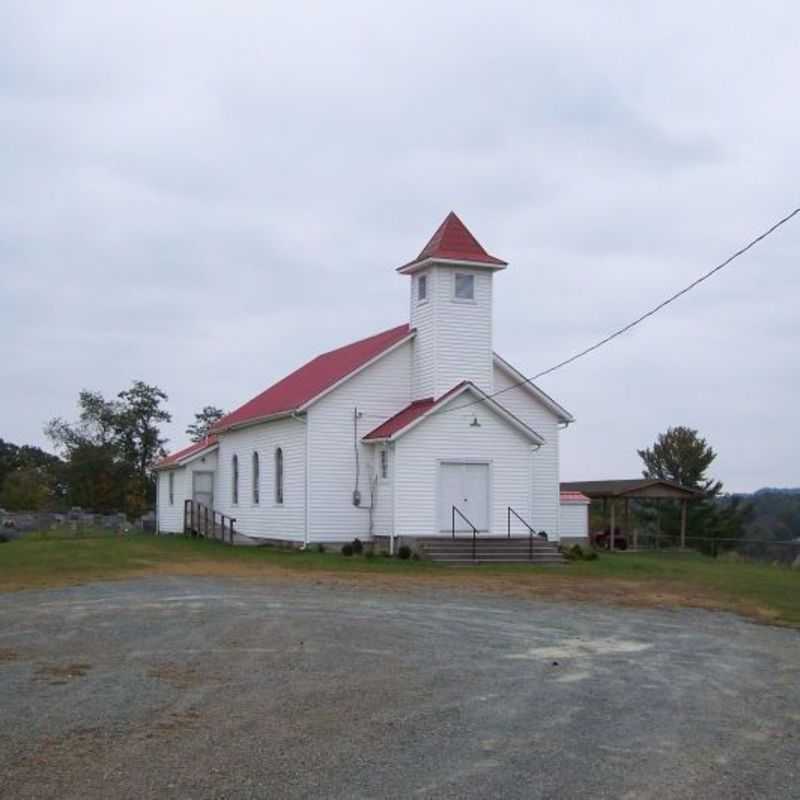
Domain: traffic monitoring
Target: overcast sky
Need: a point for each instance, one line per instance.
(204, 196)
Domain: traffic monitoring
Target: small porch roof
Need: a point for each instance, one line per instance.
(416, 412)
(182, 457)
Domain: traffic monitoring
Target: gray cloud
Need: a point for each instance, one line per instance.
(207, 194)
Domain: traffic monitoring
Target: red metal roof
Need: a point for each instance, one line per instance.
(410, 413)
(401, 419)
(453, 241)
(313, 378)
(574, 497)
(179, 455)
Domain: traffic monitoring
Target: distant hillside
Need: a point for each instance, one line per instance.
(775, 513)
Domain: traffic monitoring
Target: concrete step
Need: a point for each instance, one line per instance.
(495, 556)
(493, 545)
(491, 550)
(535, 563)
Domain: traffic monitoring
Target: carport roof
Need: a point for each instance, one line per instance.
(631, 487)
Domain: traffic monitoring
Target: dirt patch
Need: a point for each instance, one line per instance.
(558, 586)
(7, 655)
(540, 586)
(56, 674)
(180, 676)
(173, 722)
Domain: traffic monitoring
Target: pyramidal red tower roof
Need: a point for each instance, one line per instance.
(453, 242)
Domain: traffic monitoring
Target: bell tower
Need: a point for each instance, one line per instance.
(451, 309)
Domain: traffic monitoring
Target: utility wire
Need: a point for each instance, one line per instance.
(635, 322)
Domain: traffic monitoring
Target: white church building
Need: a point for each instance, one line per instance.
(410, 433)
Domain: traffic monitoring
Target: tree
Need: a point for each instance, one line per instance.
(681, 455)
(28, 489)
(112, 448)
(138, 414)
(41, 468)
(203, 422)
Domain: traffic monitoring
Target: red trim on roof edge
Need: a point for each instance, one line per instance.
(573, 497)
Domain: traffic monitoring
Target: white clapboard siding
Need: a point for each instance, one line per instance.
(378, 392)
(463, 332)
(545, 460)
(574, 520)
(265, 519)
(451, 437)
(424, 344)
(454, 338)
(170, 515)
(383, 500)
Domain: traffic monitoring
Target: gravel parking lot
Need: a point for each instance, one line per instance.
(201, 688)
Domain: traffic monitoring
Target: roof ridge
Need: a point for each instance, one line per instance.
(361, 341)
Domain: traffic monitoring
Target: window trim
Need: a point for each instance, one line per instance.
(422, 298)
(235, 480)
(456, 276)
(255, 465)
(279, 477)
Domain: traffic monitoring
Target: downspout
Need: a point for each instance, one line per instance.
(393, 468)
(158, 501)
(304, 420)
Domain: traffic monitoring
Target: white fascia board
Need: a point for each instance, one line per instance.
(501, 411)
(204, 452)
(255, 421)
(532, 388)
(366, 365)
(410, 269)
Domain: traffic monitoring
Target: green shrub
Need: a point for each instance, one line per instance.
(404, 552)
(347, 550)
(358, 546)
(369, 554)
(415, 556)
(320, 548)
(577, 553)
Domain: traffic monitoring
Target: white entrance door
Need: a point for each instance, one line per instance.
(203, 488)
(465, 486)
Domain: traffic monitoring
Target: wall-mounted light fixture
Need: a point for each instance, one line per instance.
(474, 423)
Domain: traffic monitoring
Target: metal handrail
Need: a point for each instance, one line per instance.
(196, 520)
(531, 531)
(469, 522)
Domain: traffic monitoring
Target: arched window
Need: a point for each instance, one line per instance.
(279, 476)
(235, 487)
(256, 477)
(384, 463)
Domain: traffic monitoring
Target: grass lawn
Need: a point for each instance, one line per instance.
(761, 591)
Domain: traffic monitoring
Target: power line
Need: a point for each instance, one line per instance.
(635, 322)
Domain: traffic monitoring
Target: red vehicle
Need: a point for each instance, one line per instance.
(600, 539)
